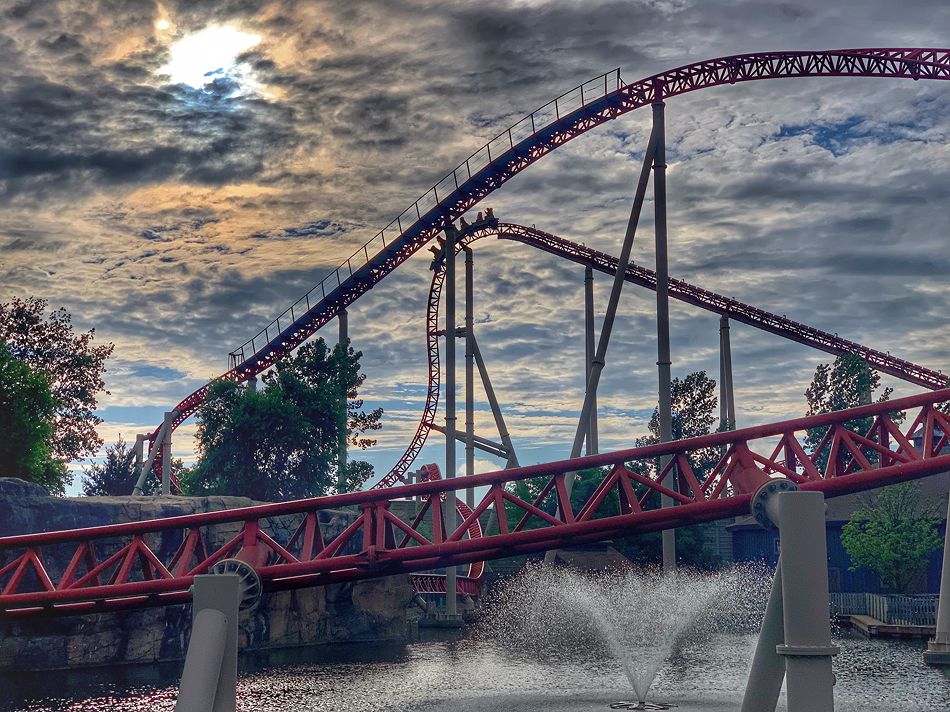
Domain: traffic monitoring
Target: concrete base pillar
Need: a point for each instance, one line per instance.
(209, 680)
(167, 454)
(802, 644)
(938, 649)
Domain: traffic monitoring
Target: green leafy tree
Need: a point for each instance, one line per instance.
(72, 366)
(694, 405)
(893, 534)
(115, 475)
(282, 441)
(848, 383)
(27, 409)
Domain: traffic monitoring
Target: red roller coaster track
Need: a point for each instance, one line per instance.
(153, 563)
(689, 293)
(570, 115)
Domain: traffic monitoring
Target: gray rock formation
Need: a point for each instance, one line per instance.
(364, 611)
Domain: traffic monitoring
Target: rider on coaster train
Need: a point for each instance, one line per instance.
(438, 251)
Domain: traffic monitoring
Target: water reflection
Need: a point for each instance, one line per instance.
(471, 675)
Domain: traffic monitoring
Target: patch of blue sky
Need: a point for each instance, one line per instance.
(161, 373)
(838, 137)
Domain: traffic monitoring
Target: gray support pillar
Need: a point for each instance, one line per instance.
(469, 372)
(663, 318)
(153, 451)
(448, 506)
(493, 404)
(344, 342)
(938, 649)
(768, 667)
(252, 384)
(167, 454)
(804, 643)
(807, 648)
(589, 354)
(139, 455)
(209, 680)
(727, 405)
(597, 364)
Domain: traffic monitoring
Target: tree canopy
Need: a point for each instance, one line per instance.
(73, 368)
(848, 383)
(115, 476)
(281, 441)
(893, 534)
(27, 409)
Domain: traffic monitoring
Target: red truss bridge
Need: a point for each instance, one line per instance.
(153, 563)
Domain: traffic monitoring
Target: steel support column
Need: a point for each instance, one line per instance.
(167, 454)
(591, 448)
(344, 343)
(727, 397)
(663, 318)
(597, 363)
(493, 404)
(600, 356)
(768, 667)
(448, 505)
(139, 455)
(938, 649)
(469, 372)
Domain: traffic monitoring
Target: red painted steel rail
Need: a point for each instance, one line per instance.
(684, 291)
(570, 115)
(153, 563)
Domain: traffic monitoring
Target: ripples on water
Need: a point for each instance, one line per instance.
(474, 675)
(532, 651)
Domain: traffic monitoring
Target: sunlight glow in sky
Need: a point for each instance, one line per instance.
(199, 58)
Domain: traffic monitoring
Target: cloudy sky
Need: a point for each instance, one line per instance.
(175, 174)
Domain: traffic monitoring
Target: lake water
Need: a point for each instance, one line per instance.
(474, 674)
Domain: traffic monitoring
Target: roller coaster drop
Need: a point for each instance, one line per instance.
(137, 572)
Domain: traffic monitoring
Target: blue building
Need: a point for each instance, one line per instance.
(751, 542)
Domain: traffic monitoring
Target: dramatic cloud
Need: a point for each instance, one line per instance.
(178, 218)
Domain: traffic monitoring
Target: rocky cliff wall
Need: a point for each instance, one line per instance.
(364, 611)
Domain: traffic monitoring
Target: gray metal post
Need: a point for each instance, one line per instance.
(600, 356)
(209, 679)
(448, 506)
(153, 451)
(938, 649)
(591, 448)
(727, 406)
(469, 372)
(493, 404)
(139, 455)
(807, 648)
(804, 644)
(344, 341)
(597, 364)
(251, 384)
(167, 454)
(663, 318)
(768, 667)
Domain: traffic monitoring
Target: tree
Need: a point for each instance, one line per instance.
(849, 383)
(694, 404)
(72, 366)
(893, 534)
(116, 476)
(27, 409)
(282, 441)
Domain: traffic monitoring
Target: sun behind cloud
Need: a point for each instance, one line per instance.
(201, 57)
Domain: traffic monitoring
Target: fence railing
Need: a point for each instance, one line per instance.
(566, 103)
(889, 609)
